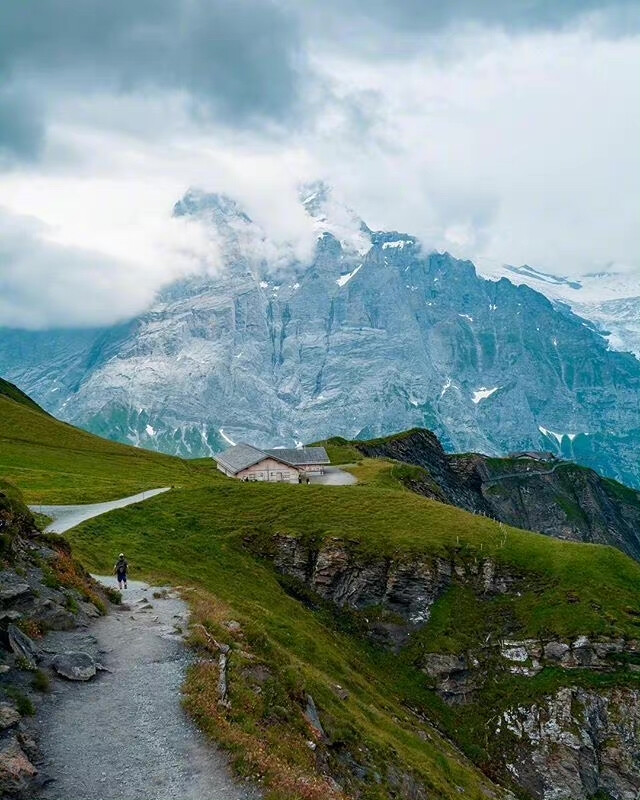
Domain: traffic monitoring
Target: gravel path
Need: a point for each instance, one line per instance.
(124, 734)
(66, 517)
(333, 476)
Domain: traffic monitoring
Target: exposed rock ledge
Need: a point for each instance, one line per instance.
(402, 591)
(572, 744)
(577, 743)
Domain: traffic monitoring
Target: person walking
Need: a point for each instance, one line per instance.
(120, 570)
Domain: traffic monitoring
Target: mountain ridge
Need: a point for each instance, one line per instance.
(276, 352)
(531, 491)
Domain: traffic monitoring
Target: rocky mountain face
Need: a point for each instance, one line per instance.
(553, 497)
(610, 298)
(373, 336)
(574, 735)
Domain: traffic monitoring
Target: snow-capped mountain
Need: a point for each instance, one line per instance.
(610, 298)
(372, 336)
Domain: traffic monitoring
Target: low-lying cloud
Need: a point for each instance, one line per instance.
(501, 131)
(45, 283)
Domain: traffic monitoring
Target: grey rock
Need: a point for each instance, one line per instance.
(12, 587)
(22, 645)
(312, 716)
(454, 679)
(9, 715)
(438, 665)
(89, 609)
(16, 770)
(10, 616)
(53, 616)
(75, 666)
(556, 651)
(575, 743)
(405, 590)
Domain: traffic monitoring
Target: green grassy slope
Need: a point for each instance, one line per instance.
(11, 392)
(52, 462)
(195, 537)
(375, 706)
(384, 521)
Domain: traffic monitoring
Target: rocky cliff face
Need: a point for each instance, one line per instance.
(577, 734)
(374, 335)
(576, 743)
(403, 592)
(552, 497)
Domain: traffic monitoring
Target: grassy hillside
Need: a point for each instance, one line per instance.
(196, 538)
(52, 462)
(387, 732)
(11, 392)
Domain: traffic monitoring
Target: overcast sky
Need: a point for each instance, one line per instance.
(496, 129)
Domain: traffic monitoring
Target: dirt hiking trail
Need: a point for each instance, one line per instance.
(124, 734)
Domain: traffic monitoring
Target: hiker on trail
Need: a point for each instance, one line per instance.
(120, 570)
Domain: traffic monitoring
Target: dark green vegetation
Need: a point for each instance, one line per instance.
(196, 537)
(384, 722)
(52, 462)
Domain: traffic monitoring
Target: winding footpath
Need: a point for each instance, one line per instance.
(124, 734)
(67, 517)
(534, 473)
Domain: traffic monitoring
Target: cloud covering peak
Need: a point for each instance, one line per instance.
(502, 130)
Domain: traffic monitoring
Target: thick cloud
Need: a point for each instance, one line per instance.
(45, 282)
(237, 59)
(501, 130)
(420, 16)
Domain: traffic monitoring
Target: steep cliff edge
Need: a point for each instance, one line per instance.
(546, 495)
(542, 702)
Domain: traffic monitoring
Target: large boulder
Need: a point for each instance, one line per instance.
(75, 666)
(12, 587)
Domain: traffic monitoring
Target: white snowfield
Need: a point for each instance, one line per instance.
(610, 299)
(559, 436)
(482, 394)
(67, 517)
(344, 279)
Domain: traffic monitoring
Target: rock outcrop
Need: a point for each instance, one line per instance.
(395, 597)
(553, 497)
(577, 741)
